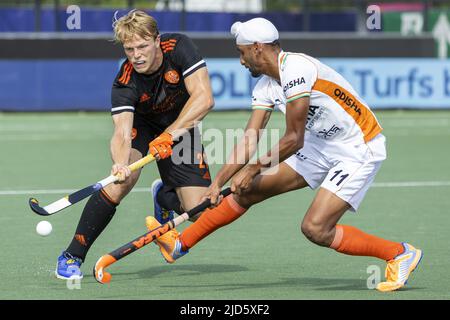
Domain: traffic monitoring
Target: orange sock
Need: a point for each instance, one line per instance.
(352, 241)
(212, 219)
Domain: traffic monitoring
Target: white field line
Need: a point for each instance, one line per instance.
(401, 130)
(53, 191)
(405, 184)
(411, 184)
(53, 138)
(39, 132)
(386, 121)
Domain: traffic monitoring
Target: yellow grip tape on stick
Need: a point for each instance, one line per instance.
(142, 162)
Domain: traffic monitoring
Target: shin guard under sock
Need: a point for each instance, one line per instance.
(96, 215)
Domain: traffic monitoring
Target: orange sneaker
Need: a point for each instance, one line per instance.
(400, 268)
(169, 243)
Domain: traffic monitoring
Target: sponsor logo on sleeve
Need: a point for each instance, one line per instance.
(294, 83)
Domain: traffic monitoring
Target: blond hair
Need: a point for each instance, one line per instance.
(135, 22)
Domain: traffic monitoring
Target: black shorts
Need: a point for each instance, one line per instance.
(186, 167)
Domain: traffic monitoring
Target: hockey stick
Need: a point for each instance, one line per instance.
(106, 260)
(79, 195)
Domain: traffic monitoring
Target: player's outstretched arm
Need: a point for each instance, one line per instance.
(198, 105)
(241, 153)
(293, 138)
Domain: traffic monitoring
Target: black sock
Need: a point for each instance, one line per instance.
(96, 215)
(168, 199)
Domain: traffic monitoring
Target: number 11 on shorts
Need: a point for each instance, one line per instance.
(342, 177)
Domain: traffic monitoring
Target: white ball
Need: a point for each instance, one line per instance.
(44, 228)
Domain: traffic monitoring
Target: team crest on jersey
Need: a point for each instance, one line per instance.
(172, 77)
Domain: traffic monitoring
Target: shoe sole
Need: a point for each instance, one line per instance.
(65, 278)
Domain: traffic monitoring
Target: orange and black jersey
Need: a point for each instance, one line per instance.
(158, 98)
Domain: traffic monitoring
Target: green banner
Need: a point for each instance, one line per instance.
(413, 23)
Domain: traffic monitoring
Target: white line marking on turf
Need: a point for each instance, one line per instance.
(53, 191)
(412, 184)
(407, 123)
(405, 184)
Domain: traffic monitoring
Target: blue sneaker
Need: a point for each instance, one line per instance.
(161, 214)
(68, 267)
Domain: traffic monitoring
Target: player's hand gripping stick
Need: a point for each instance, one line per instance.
(79, 195)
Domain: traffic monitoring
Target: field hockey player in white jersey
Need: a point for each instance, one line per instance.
(333, 143)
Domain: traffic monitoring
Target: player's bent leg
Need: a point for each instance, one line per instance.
(275, 181)
(96, 215)
(162, 201)
(319, 222)
(281, 179)
(190, 197)
(320, 226)
(169, 243)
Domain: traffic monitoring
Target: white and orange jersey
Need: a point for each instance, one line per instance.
(336, 112)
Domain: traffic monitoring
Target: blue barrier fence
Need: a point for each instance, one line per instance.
(31, 85)
(53, 85)
(381, 82)
(100, 20)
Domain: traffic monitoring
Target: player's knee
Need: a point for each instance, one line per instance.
(117, 192)
(315, 232)
(307, 230)
(249, 198)
(245, 200)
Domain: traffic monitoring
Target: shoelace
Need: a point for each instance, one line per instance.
(71, 259)
(392, 271)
